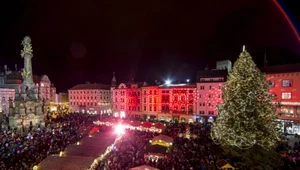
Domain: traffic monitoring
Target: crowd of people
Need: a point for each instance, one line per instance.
(199, 153)
(194, 153)
(291, 154)
(21, 152)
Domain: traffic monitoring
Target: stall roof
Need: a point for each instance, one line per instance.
(223, 164)
(164, 138)
(156, 149)
(144, 167)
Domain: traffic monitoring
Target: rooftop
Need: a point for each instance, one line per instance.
(286, 68)
(177, 85)
(212, 73)
(90, 87)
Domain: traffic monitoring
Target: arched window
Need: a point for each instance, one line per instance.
(190, 109)
(191, 98)
(175, 107)
(182, 108)
(163, 108)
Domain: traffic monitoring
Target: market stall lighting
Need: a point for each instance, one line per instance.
(119, 129)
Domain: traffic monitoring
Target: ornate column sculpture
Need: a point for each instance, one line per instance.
(26, 53)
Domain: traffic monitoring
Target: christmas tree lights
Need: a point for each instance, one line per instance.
(246, 118)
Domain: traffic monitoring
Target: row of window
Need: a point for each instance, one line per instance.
(154, 108)
(122, 100)
(201, 112)
(167, 91)
(166, 108)
(83, 103)
(210, 96)
(284, 83)
(130, 108)
(208, 104)
(286, 95)
(290, 111)
(89, 97)
(210, 87)
(150, 92)
(215, 79)
(89, 92)
(122, 93)
(167, 99)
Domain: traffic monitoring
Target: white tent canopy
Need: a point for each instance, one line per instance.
(164, 138)
(143, 167)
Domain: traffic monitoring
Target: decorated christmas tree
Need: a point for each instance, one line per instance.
(246, 126)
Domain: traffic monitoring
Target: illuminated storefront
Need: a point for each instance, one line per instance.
(289, 126)
(287, 111)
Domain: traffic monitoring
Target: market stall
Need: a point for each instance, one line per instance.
(133, 125)
(144, 167)
(162, 140)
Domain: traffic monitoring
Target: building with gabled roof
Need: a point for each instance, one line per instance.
(88, 86)
(13, 80)
(90, 98)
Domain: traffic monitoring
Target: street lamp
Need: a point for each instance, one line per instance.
(187, 80)
(168, 82)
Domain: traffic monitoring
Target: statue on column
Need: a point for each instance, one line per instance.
(26, 53)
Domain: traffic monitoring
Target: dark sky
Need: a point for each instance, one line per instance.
(86, 40)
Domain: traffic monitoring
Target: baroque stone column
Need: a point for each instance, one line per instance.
(26, 53)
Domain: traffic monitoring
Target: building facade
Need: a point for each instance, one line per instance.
(13, 80)
(284, 82)
(5, 95)
(60, 101)
(160, 102)
(177, 102)
(45, 86)
(126, 100)
(90, 98)
(209, 93)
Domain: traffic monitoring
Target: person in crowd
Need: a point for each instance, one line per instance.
(22, 152)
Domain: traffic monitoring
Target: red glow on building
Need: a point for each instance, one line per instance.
(172, 102)
(286, 87)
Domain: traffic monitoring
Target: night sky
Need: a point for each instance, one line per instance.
(78, 40)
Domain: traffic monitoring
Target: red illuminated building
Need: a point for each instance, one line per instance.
(199, 102)
(126, 99)
(284, 82)
(164, 102)
(177, 102)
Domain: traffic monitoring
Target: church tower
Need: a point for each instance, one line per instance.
(113, 81)
(112, 87)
